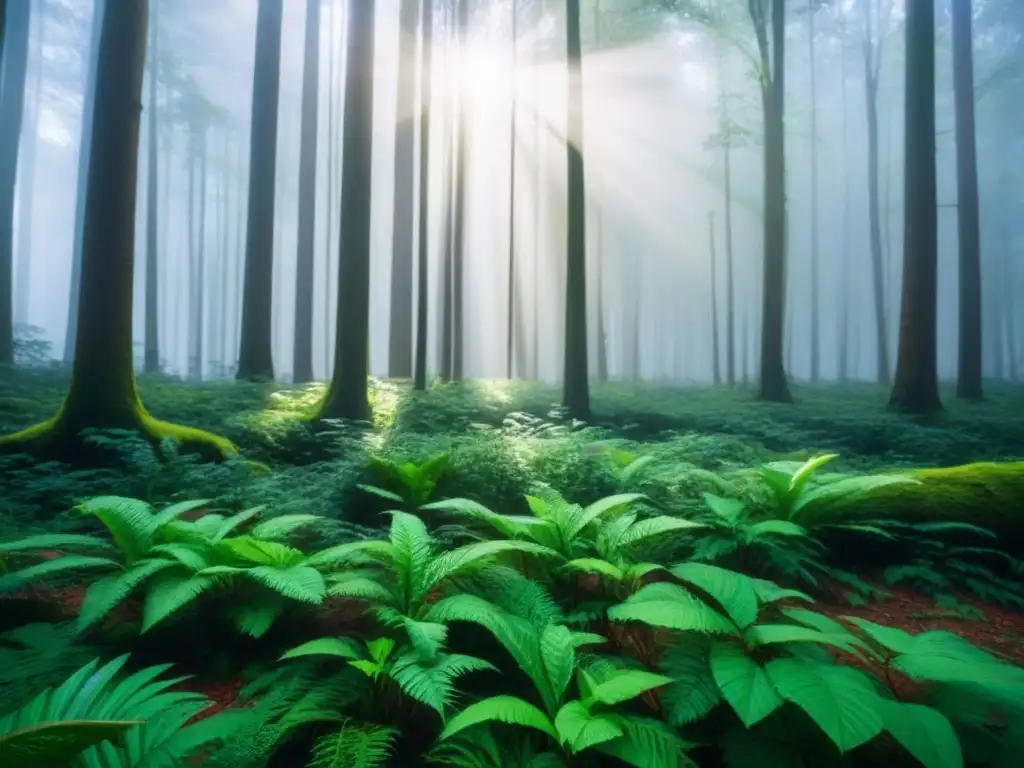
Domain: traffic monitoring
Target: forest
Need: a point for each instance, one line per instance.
(511, 383)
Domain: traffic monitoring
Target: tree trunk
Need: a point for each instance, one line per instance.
(400, 345)
(730, 288)
(12, 106)
(872, 57)
(26, 192)
(843, 345)
(511, 298)
(422, 274)
(84, 153)
(915, 388)
(576, 397)
(716, 363)
(815, 244)
(968, 384)
(151, 362)
(346, 397)
(255, 358)
(302, 350)
(773, 385)
(102, 392)
(459, 223)
(199, 316)
(602, 335)
(225, 258)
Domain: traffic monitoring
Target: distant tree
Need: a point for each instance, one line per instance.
(12, 107)
(302, 353)
(151, 360)
(458, 264)
(422, 276)
(916, 388)
(576, 395)
(400, 345)
(773, 384)
(102, 392)
(968, 385)
(877, 14)
(346, 396)
(255, 358)
(716, 365)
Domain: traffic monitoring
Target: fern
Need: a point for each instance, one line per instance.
(356, 745)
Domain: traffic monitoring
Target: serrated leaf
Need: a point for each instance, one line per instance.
(339, 647)
(924, 732)
(626, 684)
(732, 590)
(558, 657)
(500, 709)
(672, 607)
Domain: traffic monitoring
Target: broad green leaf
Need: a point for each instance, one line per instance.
(167, 597)
(743, 683)
(776, 634)
(107, 593)
(770, 592)
(626, 684)
(55, 541)
(668, 605)
(595, 565)
(774, 528)
(895, 640)
(655, 526)
(728, 510)
(578, 729)
(840, 700)
(131, 522)
(174, 511)
(66, 564)
(924, 732)
(341, 647)
(56, 744)
(382, 493)
(500, 709)
(557, 653)
(300, 582)
(732, 590)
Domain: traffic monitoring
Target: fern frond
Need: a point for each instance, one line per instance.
(109, 592)
(356, 745)
(131, 523)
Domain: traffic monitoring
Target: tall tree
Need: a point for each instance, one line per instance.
(27, 175)
(346, 396)
(510, 308)
(915, 388)
(84, 153)
(151, 360)
(716, 366)
(302, 351)
(255, 358)
(968, 383)
(773, 384)
(12, 107)
(422, 275)
(102, 393)
(576, 395)
(812, 8)
(400, 332)
(876, 16)
(459, 205)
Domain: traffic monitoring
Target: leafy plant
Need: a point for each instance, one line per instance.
(407, 483)
(101, 718)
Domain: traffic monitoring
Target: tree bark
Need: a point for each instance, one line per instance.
(511, 277)
(459, 223)
(12, 107)
(872, 64)
(102, 392)
(915, 388)
(84, 153)
(730, 287)
(346, 396)
(815, 224)
(151, 361)
(773, 385)
(968, 384)
(716, 363)
(26, 191)
(302, 350)
(255, 358)
(422, 274)
(576, 396)
(400, 344)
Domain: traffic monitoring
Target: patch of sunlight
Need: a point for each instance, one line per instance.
(384, 397)
(498, 391)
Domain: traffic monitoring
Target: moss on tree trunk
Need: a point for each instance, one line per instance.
(102, 393)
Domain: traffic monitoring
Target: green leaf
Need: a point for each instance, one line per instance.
(777, 634)
(56, 744)
(557, 653)
(774, 528)
(895, 640)
(131, 522)
(381, 492)
(300, 582)
(58, 565)
(340, 647)
(500, 709)
(655, 526)
(840, 700)
(174, 511)
(595, 565)
(167, 597)
(578, 729)
(279, 527)
(107, 593)
(626, 684)
(743, 683)
(730, 511)
(924, 732)
(668, 605)
(694, 692)
(732, 590)
(57, 541)
(770, 592)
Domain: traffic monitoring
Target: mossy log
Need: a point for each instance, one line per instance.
(986, 494)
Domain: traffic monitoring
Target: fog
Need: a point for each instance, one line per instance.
(655, 85)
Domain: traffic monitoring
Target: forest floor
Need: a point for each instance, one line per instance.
(500, 438)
